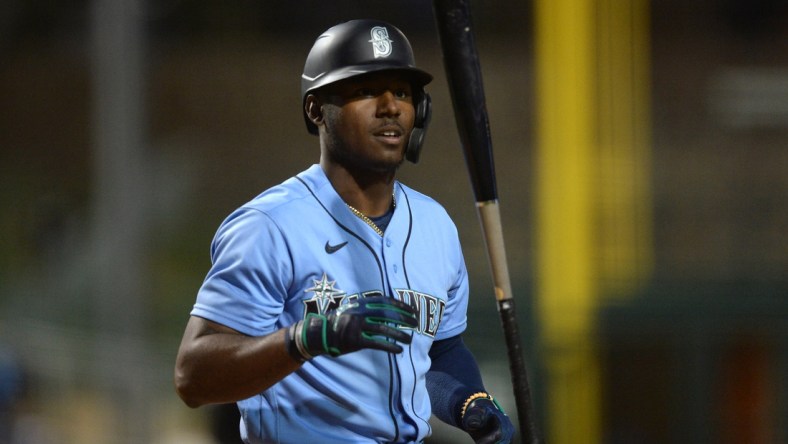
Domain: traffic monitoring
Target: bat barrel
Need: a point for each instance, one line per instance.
(463, 74)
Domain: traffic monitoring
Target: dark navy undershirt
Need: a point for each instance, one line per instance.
(383, 221)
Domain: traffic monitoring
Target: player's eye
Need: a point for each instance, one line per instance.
(402, 93)
(366, 92)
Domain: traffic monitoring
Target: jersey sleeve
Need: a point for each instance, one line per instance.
(455, 318)
(246, 287)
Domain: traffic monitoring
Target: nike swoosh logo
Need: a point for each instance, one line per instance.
(331, 249)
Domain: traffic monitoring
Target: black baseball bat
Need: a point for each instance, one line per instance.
(463, 72)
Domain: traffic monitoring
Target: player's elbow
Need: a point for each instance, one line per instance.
(186, 388)
(187, 397)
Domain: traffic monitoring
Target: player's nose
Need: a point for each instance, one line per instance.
(388, 105)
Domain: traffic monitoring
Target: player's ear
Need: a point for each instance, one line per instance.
(313, 109)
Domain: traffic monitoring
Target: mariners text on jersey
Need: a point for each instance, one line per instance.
(328, 297)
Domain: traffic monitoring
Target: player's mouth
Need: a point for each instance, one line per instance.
(390, 134)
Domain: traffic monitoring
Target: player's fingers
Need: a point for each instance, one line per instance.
(487, 424)
(373, 329)
(386, 303)
(392, 319)
(385, 313)
(476, 419)
(378, 343)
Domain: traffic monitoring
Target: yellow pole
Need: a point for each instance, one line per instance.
(592, 201)
(564, 168)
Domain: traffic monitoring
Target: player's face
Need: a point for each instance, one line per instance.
(368, 120)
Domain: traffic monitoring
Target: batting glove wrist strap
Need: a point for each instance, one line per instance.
(311, 338)
(307, 338)
(295, 348)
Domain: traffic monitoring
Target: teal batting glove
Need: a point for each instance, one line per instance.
(373, 323)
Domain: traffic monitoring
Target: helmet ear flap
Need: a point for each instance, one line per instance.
(420, 123)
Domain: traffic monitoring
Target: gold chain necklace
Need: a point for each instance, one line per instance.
(367, 220)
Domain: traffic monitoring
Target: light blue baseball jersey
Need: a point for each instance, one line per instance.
(297, 248)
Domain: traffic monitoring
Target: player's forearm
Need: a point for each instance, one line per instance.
(453, 376)
(219, 366)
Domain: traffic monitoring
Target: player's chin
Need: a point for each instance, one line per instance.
(394, 158)
(380, 163)
(386, 165)
(387, 158)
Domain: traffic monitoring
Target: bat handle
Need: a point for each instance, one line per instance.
(520, 385)
(490, 218)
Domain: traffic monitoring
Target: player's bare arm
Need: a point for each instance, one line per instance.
(217, 364)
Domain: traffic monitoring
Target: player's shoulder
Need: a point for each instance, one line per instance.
(279, 205)
(422, 202)
(287, 195)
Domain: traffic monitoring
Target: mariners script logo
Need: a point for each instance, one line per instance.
(328, 297)
(381, 44)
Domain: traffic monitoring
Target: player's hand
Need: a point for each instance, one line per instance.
(487, 423)
(364, 323)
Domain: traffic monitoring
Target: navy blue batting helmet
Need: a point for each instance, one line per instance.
(360, 47)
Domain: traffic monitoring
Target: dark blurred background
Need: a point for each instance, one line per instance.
(642, 157)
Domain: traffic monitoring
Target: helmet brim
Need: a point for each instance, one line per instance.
(416, 76)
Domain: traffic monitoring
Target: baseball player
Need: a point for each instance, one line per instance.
(335, 304)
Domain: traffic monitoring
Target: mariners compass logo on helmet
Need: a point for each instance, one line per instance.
(381, 44)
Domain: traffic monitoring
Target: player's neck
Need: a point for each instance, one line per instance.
(371, 194)
(371, 201)
(370, 207)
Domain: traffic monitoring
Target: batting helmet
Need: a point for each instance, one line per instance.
(360, 47)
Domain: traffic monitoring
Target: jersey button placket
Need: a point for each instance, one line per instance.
(388, 243)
